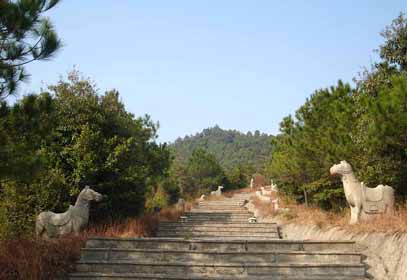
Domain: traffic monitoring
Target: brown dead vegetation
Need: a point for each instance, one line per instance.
(299, 213)
(388, 223)
(36, 259)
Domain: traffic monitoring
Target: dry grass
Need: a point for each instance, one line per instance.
(145, 226)
(394, 223)
(36, 259)
(298, 213)
(32, 259)
(390, 223)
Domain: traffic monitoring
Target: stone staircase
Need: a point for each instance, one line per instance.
(216, 242)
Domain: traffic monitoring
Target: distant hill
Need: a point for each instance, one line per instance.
(230, 147)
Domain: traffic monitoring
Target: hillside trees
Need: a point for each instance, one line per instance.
(240, 155)
(365, 126)
(200, 175)
(59, 141)
(309, 144)
(230, 147)
(25, 36)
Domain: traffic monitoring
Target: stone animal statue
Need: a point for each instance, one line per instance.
(180, 206)
(274, 187)
(276, 204)
(49, 224)
(202, 198)
(364, 202)
(265, 192)
(262, 197)
(218, 192)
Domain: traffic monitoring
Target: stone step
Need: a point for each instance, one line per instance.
(198, 216)
(208, 215)
(218, 215)
(220, 245)
(141, 276)
(214, 269)
(228, 209)
(185, 227)
(150, 255)
(223, 235)
(224, 207)
(221, 203)
(219, 218)
(217, 225)
(216, 242)
(215, 210)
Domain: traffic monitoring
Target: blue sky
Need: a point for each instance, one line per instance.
(193, 64)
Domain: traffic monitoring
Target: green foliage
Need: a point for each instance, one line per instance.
(58, 142)
(394, 50)
(239, 155)
(156, 199)
(387, 134)
(161, 192)
(200, 175)
(325, 194)
(367, 126)
(230, 147)
(393, 53)
(239, 177)
(25, 36)
(308, 145)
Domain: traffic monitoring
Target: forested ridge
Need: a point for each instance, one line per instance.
(230, 147)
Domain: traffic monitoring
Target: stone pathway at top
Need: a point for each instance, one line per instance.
(217, 242)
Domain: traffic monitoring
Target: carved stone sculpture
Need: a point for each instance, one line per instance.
(274, 187)
(364, 202)
(275, 204)
(265, 192)
(262, 198)
(218, 192)
(49, 224)
(180, 206)
(251, 183)
(202, 198)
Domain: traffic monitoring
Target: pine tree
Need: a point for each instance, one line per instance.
(25, 36)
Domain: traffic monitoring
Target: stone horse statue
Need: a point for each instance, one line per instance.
(49, 224)
(218, 192)
(364, 202)
(180, 206)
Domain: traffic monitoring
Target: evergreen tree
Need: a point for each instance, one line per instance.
(25, 36)
(230, 147)
(319, 136)
(58, 142)
(203, 173)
